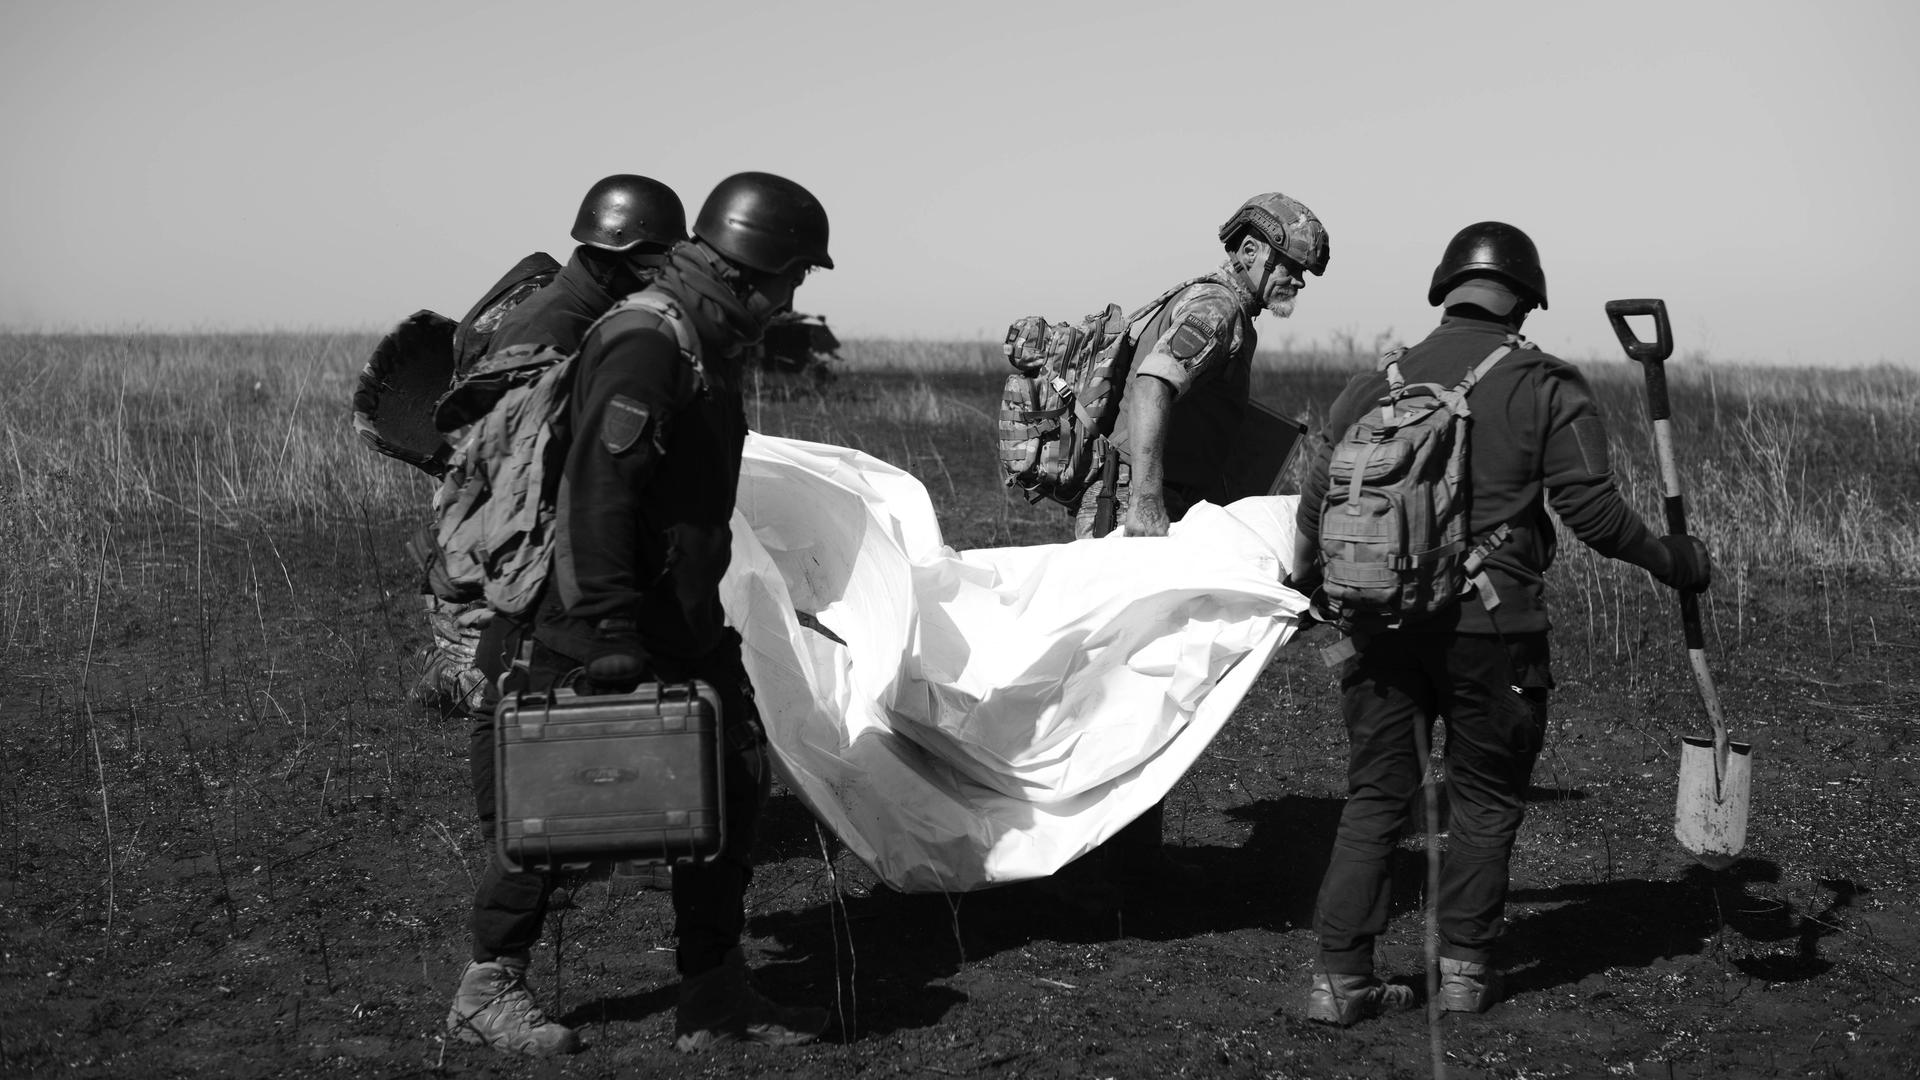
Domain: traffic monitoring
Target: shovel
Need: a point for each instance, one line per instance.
(1710, 810)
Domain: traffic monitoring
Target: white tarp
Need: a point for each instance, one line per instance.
(987, 716)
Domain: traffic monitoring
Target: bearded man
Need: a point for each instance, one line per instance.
(1177, 439)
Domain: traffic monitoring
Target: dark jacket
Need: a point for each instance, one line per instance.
(560, 313)
(1535, 439)
(647, 493)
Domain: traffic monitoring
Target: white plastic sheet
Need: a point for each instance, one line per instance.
(966, 719)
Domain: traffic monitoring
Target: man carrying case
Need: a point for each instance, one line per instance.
(626, 778)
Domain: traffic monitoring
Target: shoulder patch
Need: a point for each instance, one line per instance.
(623, 423)
(1592, 437)
(1201, 320)
(1191, 339)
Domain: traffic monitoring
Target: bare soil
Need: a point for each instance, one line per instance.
(233, 844)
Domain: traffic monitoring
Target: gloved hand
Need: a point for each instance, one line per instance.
(1689, 567)
(616, 663)
(1305, 583)
(1308, 585)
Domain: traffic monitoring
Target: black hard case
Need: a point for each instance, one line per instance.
(1267, 441)
(609, 777)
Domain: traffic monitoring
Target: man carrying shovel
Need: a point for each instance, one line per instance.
(1480, 662)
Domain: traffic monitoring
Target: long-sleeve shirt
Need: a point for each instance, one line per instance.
(560, 313)
(1535, 439)
(646, 495)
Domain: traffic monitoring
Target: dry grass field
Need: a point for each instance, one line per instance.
(232, 843)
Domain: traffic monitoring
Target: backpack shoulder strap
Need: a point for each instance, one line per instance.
(666, 308)
(1475, 564)
(1390, 365)
(1147, 311)
(658, 302)
(1512, 342)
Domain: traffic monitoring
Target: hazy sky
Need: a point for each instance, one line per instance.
(337, 165)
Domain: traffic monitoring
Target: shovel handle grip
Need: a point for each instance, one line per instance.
(1651, 355)
(1661, 347)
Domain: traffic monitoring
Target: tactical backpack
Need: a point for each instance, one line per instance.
(1394, 544)
(473, 338)
(1063, 396)
(494, 512)
(395, 409)
(411, 367)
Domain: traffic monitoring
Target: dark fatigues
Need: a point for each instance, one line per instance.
(644, 507)
(560, 313)
(1536, 439)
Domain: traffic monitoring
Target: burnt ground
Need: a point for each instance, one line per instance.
(231, 844)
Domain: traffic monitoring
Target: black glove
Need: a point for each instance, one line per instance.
(1308, 585)
(1305, 579)
(617, 663)
(1689, 567)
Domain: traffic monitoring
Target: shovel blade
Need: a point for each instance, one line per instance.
(1710, 811)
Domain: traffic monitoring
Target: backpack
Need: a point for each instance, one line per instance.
(396, 396)
(1064, 396)
(1394, 522)
(494, 512)
(473, 338)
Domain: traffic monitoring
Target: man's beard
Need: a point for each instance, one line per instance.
(1281, 308)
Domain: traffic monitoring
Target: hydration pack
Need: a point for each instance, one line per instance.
(1064, 396)
(1394, 543)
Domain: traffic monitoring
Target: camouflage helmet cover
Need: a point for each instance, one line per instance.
(765, 222)
(623, 211)
(1286, 225)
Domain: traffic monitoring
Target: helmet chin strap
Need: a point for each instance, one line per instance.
(1259, 288)
(1266, 274)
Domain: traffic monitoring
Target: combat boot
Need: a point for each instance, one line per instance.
(721, 1006)
(1468, 987)
(1346, 1000)
(494, 1007)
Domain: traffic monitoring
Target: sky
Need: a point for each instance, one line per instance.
(209, 165)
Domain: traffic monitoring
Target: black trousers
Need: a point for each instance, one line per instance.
(510, 908)
(1493, 694)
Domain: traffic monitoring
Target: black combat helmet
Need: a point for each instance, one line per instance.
(624, 211)
(765, 222)
(1490, 249)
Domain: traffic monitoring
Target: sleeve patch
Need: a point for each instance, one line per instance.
(1592, 436)
(1191, 339)
(623, 423)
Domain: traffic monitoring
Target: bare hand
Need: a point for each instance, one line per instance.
(1146, 514)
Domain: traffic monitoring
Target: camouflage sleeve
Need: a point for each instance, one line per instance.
(1203, 329)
